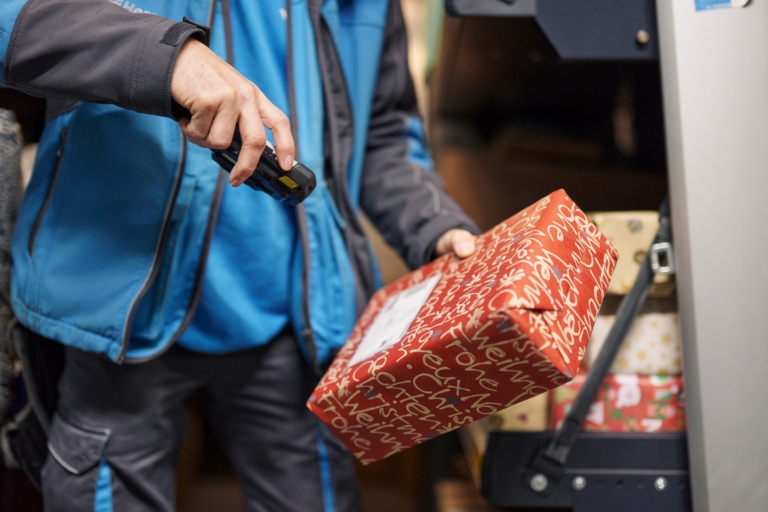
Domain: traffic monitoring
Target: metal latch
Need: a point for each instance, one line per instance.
(663, 259)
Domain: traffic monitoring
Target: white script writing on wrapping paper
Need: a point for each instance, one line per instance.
(471, 351)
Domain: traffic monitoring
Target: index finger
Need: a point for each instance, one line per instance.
(254, 139)
(278, 122)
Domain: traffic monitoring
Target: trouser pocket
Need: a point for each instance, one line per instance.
(71, 472)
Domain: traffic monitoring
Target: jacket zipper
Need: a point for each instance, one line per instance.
(48, 194)
(307, 333)
(158, 256)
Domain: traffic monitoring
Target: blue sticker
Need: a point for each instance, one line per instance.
(708, 5)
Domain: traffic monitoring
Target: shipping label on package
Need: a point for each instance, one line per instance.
(458, 340)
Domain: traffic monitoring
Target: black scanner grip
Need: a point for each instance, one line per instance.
(293, 186)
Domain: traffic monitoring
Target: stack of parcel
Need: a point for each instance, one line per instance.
(644, 390)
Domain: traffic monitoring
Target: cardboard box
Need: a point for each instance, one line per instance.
(631, 233)
(627, 403)
(531, 415)
(653, 345)
(458, 340)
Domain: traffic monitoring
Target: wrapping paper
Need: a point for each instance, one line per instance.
(653, 345)
(631, 233)
(458, 340)
(627, 403)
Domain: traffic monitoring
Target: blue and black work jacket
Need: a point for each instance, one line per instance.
(111, 242)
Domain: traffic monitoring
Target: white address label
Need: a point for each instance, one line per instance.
(394, 319)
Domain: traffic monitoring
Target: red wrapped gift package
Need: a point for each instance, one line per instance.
(458, 340)
(627, 403)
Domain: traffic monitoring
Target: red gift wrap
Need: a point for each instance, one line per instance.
(627, 403)
(458, 340)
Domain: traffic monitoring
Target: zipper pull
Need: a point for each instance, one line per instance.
(60, 151)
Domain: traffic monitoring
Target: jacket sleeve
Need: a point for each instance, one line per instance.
(400, 192)
(91, 50)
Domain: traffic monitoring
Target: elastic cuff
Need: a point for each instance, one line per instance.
(150, 91)
(431, 233)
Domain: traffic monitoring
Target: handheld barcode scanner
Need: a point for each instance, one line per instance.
(292, 186)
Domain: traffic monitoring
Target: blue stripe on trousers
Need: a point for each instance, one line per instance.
(325, 473)
(103, 499)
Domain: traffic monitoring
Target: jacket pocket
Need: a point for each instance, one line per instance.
(49, 193)
(151, 314)
(71, 471)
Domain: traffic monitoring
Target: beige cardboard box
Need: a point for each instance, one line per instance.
(531, 416)
(631, 233)
(653, 345)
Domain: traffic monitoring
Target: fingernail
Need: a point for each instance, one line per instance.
(287, 162)
(466, 248)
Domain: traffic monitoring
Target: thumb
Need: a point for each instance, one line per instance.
(459, 241)
(463, 243)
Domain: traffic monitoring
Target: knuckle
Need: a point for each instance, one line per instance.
(282, 119)
(219, 141)
(227, 94)
(258, 140)
(207, 102)
(244, 93)
(196, 131)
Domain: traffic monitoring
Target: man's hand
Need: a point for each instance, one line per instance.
(219, 98)
(460, 241)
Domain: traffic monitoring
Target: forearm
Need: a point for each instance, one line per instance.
(92, 50)
(409, 205)
(400, 192)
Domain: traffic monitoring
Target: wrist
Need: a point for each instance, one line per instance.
(150, 90)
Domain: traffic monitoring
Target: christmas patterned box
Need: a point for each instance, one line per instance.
(531, 415)
(653, 345)
(627, 403)
(458, 340)
(631, 233)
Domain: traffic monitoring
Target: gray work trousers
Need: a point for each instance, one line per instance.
(117, 431)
